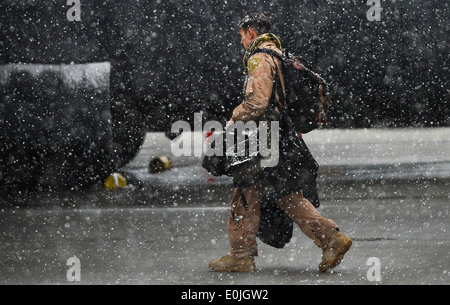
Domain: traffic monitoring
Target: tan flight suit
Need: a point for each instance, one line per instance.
(243, 225)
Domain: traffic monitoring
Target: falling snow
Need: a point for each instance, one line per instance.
(89, 91)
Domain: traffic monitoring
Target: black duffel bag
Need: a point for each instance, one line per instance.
(221, 160)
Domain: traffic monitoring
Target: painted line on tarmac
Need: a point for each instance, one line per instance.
(153, 209)
(167, 209)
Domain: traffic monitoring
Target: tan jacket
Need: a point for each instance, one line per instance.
(258, 85)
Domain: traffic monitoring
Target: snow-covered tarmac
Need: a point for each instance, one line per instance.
(387, 189)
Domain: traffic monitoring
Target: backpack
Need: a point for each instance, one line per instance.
(306, 101)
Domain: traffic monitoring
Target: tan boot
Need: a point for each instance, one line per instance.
(333, 254)
(231, 264)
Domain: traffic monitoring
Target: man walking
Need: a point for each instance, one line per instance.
(244, 220)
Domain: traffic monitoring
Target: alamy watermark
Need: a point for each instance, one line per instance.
(238, 139)
(374, 12)
(74, 272)
(374, 272)
(74, 13)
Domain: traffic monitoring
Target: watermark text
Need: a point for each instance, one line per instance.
(238, 139)
(374, 272)
(74, 272)
(374, 12)
(74, 13)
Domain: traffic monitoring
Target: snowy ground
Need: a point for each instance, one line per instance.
(164, 228)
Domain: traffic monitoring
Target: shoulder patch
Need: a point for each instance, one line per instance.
(253, 64)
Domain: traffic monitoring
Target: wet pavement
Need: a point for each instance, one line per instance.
(165, 228)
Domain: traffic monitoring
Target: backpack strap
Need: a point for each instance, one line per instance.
(277, 80)
(244, 200)
(270, 52)
(323, 86)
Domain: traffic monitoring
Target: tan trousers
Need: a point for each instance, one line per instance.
(243, 225)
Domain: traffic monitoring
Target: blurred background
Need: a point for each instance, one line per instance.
(86, 109)
(167, 59)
